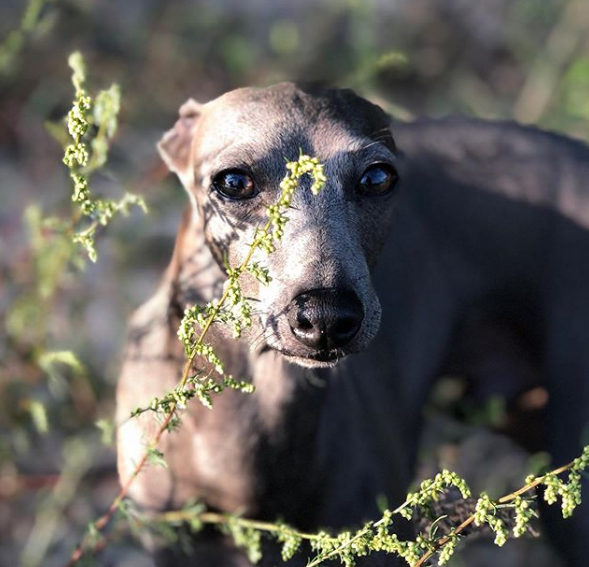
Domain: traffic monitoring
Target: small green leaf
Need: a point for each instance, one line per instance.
(156, 457)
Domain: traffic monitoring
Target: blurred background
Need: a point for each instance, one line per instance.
(526, 60)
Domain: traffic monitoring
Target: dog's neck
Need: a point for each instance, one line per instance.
(289, 402)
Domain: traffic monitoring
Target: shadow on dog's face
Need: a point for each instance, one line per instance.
(230, 155)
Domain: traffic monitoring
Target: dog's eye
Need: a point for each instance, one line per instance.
(234, 184)
(378, 179)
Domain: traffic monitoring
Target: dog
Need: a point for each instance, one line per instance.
(417, 224)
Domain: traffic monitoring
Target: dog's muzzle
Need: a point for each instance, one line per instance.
(325, 319)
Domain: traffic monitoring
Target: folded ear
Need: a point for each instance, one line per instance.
(175, 146)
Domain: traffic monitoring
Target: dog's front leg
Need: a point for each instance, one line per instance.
(567, 370)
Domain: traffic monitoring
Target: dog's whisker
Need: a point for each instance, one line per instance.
(260, 340)
(258, 336)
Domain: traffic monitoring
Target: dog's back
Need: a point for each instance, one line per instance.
(495, 215)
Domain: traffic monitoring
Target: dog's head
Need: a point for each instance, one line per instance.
(230, 155)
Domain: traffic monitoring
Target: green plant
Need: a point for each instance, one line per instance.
(378, 535)
(52, 386)
(234, 309)
(60, 244)
(81, 160)
(15, 40)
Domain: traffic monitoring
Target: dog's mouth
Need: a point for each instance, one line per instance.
(330, 356)
(327, 355)
(310, 359)
(316, 359)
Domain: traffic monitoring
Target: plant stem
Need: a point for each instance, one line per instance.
(503, 500)
(217, 308)
(215, 518)
(105, 519)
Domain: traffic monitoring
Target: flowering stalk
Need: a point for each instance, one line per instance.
(485, 510)
(376, 536)
(101, 112)
(190, 384)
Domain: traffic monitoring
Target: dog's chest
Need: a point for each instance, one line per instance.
(253, 453)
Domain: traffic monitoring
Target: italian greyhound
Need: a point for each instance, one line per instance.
(417, 223)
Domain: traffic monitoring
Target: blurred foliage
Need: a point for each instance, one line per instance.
(55, 252)
(15, 39)
(500, 59)
(57, 387)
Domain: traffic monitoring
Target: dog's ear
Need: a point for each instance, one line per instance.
(174, 147)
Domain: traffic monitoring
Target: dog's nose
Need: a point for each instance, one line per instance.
(325, 319)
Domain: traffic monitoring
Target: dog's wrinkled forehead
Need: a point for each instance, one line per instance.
(251, 124)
